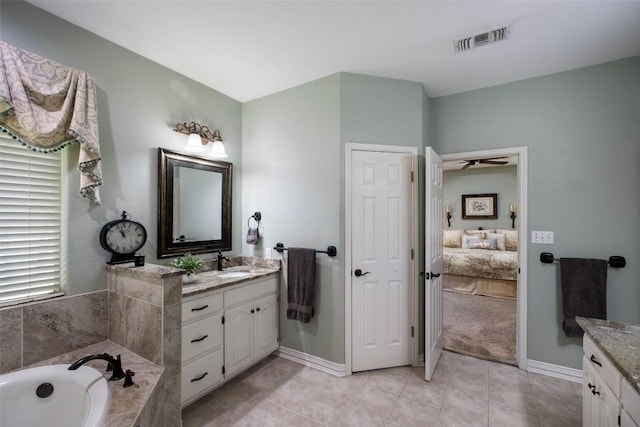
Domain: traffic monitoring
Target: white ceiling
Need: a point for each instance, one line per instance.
(247, 50)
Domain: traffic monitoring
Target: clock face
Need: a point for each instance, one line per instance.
(125, 237)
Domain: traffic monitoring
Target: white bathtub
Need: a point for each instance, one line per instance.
(80, 398)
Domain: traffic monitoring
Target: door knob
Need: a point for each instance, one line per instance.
(435, 275)
(359, 272)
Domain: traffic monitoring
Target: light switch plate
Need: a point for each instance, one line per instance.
(542, 237)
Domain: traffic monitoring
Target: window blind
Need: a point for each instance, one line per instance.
(30, 222)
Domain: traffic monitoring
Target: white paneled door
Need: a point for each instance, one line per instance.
(433, 262)
(381, 199)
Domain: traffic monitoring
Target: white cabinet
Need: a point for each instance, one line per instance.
(226, 331)
(607, 398)
(631, 404)
(600, 407)
(251, 324)
(202, 352)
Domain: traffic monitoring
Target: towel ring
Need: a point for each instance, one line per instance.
(256, 217)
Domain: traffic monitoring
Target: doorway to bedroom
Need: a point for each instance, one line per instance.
(481, 310)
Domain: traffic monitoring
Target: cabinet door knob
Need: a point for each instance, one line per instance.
(594, 392)
(258, 309)
(595, 361)
(252, 311)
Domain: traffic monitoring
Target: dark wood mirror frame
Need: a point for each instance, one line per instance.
(167, 161)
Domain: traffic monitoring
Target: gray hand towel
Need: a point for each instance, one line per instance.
(301, 272)
(253, 235)
(584, 291)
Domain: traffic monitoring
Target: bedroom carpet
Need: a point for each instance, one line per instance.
(480, 326)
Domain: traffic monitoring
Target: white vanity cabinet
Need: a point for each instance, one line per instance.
(225, 331)
(630, 405)
(202, 346)
(607, 398)
(251, 323)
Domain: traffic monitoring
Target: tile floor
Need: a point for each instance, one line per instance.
(464, 392)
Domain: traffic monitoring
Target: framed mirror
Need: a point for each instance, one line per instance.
(194, 204)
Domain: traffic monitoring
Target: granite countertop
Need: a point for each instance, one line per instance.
(210, 280)
(620, 342)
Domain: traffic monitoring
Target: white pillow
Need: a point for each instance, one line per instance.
(511, 239)
(500, 240)
(452, 238)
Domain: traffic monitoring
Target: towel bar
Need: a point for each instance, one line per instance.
(615, 261)
(331, 250)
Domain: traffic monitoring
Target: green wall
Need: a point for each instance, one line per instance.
(582, 130)
(139, 103)
(293, 172)
(500, 180)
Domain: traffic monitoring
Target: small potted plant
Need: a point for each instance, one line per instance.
(189, 264)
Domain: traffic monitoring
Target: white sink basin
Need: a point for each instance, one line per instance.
(74, 398)
(234, 274)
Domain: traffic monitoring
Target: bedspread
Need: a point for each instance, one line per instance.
(488, 264)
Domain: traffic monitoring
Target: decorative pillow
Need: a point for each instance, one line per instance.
(511, 239)
(500, 240)
(452, 238)
(467, 241)
(490, 244)
(474, 232)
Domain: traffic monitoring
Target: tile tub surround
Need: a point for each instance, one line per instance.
(138, 405)
(620, 342)
(145, 316)
(40, 330)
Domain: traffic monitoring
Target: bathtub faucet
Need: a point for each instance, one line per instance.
(115, 365)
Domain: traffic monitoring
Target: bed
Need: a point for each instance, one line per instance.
(481, 262)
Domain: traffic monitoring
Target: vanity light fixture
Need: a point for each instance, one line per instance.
(512, 209)
(448, 209)
(199, 136)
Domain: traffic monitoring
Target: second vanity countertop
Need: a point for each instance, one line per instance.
(210, 280)
(620, 342)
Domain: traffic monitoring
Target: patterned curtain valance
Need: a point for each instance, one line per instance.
(46, 106)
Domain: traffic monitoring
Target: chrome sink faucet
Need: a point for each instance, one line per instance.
(220, 259)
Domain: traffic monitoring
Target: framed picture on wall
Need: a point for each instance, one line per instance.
(480, 206)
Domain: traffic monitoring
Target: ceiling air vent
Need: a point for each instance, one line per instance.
(480, 39)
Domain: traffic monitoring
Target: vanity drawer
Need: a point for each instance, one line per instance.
(631, 400)
(201, 306)
(201, 336)
(201, 374)
(250, 291)
(602, 365)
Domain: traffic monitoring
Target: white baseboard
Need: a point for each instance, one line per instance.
(556, 371)
(332, 368)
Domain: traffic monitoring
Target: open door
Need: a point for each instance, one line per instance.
(433, 262)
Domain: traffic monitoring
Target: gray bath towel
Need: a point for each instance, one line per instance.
(301, 272)
(584, 291)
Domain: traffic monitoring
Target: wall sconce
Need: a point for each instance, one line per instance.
(199, 136)
(448, 209)
(512, 209)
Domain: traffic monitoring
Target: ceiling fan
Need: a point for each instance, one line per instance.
(490, 161)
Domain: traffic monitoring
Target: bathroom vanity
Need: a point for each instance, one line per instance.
(611, 373)
(229, 323)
